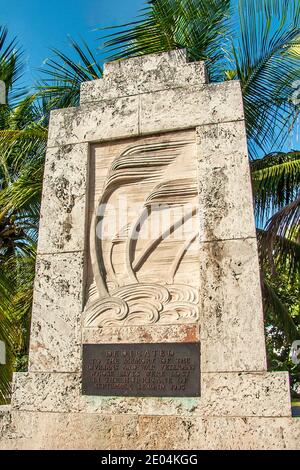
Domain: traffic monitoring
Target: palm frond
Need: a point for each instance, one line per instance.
(279, 253)
(8, 334)
(285, 223)
(197, 25)
(64, 75)
(255, 41)
(276, 182)
(279, 312)
(11, 65)
(22, 151)
(25, 191)
(16, 280)
(263, 42)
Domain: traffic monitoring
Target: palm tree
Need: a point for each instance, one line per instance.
(23, 136)
(22, 148)
(276, 179)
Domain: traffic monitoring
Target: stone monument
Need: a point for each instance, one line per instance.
(147, 323)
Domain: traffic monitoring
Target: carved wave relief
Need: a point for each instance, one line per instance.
(144, 304)
(121, 293)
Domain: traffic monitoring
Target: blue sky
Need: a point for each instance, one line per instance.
(40, 25)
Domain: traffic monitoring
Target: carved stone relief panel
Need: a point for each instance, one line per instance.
(144, 229)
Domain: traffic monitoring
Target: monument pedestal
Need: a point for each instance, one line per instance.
(115, 428)
(151, 138)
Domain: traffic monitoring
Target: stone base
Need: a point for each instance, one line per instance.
(235, 411)
(234, 394)
(92, 431)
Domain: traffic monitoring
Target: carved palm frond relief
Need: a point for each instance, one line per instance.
(138, 272)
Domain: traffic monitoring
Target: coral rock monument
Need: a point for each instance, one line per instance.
(147, 322)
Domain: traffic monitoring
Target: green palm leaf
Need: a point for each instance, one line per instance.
(164, 25)
(64, 75)
(11, 65)
(286, 222)
(23, 135)
(279, 312)
(263, 56)
(276, 182)
(255, 41)
(8, 334)
(279, 253)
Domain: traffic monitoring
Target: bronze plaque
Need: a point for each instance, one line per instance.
(141, 370)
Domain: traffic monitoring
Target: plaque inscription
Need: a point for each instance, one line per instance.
(141, 370)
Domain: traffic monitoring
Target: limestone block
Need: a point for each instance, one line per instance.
(245, 394)
(15, 436)
(121, 432)
(185, 108)
(57, 307)
(144, 74)
(222, 394)
(10, 436)
(126, 115)
(216, 433)
(142, 334)
(232, 329)
(102, 121)
(15, 443)
(292, 434)
(247, 434)
(75, 431)
(172, 109)
(46, 392)
(225, 192)
(62, 221)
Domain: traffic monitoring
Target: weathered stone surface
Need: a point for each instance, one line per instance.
(250, 434)
(5, 418)
(10, 436)
(222, 394)
(121, 432)
(41, 391)
(232, 329)
(225, 192)
(144, 74)
(62, 222)
(292, 434)
(241, 406)
(230, 394)
(173, 109)
(185, 108)
(102, 121)
(242, 394)
(57, 307)
(217, 433)
(142, 334)
(72, 431)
